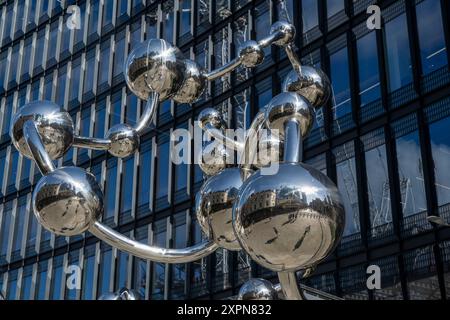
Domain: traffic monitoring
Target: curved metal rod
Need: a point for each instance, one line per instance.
(294, 59)
(249, 153)
(223, 70)
(270, 39)
(152, 253)
(290, 286)
(91, 143)
(148, 113)
(36, 146)
(223, 138)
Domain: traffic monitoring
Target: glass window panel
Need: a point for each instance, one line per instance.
(41, 280)
(144, 177)
(110, 189)
(19, 226)
(103, 65)
(79, 33)
(398, 57)
(7, 114)
(52, 41)
(158, 275)
(26, 59)
(440, 147)
(61, 86)
(107, 12)
(27, 278)
(5, 229)
(127, 185)
(89, 72)
(3, 64)
(119, 56)
(39, 50)
(88, 274)
(310, 14)
(369, 80)
(334, 6)
(75, 81)
(122, 270)
(105, 272)
(167, 21)
(12, 285)
(431, 35)
(9, 14)
(93, 17)
(12, 175)
(163, 170)
(57, 278)
(378, 192)
(391, 287)
(341, 83)
(185, 16)
(410, 170)
(179, 270)
(14, 63)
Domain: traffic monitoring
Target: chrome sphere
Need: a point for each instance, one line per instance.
(211, 116)
(313, 84)
(287, 30)
(257, 289)
(290, 221)
(67, 201)
(251, 54)
(213, 207)
(155, 66)
(122, 294)
(287, 106)
(55, 127)
(214, 159)
(124, 140)
(193, 85)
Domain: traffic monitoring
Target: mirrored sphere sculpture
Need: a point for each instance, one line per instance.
(257, 289)
(288, 220)
(67, 201)
(54, 125)
(213, 207)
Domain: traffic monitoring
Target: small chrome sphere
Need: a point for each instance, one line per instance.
(313, 84)
(211, 116)
(286, 29)
(251, 54)
(122, 294)
(193, 85)
(214, 158)
(287, 106)
(257, 289)
(124, 140)
(213, 207)
(67, 201)
(290, 221)
(155, 66)
(55, 128)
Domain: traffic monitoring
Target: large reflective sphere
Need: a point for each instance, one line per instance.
(213, 206)
(213, 158)
(211, 116)
(124, 140)
(193, 85)
(257, 289)
(55, 127)
(156, 66)
(67, 201)
(287, 106)
(314, 85)
(289, 221)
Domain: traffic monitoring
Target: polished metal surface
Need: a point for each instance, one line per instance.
(289, 221)
(193, 85)
(67, 201)
(214, 158)
(214, 204)
(257, 289)
(91, 143)
(148, 114)
(155, 66)
(54, 125)
(290, 286)
(124, 140)
(251, 54)
(289, 106)
(285, 33)
(37, 149)
(122, 294)
(312, 83)
(152, 253)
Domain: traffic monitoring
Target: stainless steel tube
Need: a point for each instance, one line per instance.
(148, 113)
(152, 253)
(34, 141)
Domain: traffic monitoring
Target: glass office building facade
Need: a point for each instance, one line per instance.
(384, 139)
